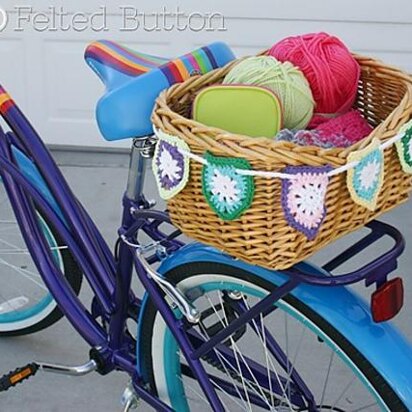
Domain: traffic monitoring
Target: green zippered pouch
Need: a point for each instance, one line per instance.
(248, 110)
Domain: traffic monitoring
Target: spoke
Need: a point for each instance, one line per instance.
(235, 353)
(59, 248)
(248, 383)
(12, 245)
(217, 387)
(268, 358)
(17, 268)
(13, 252)
(295, 356)
(227, 394)
(272, 401)
(25, 273)
(7, 222)
(231, 397)
(344, 391)
(242, 378)
(365, 407)
(252, 384)
(284, 395)
(237, 350)
(193, 390)
(332, 357)
(220, 356)
(288, 369)
(26, 251)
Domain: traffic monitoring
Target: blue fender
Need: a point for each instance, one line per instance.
(30, 171)
(382, 344)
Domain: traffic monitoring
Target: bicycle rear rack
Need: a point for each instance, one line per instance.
(375, 271)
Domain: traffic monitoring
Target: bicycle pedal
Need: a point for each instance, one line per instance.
(17, 376)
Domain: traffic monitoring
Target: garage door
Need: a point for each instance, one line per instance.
(45, 71)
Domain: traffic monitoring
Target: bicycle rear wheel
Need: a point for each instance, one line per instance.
(26, 306)
(321, 370)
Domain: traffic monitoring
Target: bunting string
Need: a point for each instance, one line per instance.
(280, 175)
(228, 185)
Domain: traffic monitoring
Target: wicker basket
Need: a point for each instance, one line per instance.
(261, 235)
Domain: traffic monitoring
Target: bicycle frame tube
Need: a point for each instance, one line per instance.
(71, 221)
(137, 171)
(134, 200)
(124, 266)
(110, 279)
(177, 328)
(69, 303)
(94, 247)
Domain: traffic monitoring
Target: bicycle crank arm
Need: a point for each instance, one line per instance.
(80, 370)
(20, 375)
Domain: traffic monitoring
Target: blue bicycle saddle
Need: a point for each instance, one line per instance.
(133, 81)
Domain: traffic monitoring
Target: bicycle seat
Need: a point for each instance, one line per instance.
(133, 81)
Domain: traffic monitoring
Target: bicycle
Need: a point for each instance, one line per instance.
(213, 331)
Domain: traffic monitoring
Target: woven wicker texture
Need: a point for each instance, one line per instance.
(261, 235)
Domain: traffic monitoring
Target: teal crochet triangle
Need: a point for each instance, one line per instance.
(228, 193)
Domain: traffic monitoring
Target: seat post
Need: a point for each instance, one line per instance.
(142, 152)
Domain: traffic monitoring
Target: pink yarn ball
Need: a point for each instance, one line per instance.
(331, 70)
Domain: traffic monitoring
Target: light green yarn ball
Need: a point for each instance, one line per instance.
(285, 80)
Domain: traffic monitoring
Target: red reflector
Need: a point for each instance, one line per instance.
(387, 300)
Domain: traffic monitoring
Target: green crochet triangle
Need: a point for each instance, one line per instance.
(228, 193)
(404, 147)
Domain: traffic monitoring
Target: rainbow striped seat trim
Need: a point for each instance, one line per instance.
(134, 63)
(122, 59)
(6, 102)
(200, 61)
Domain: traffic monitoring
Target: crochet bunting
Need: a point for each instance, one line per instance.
(227, 192)
(365, 180)
(170, 166)
(303, 198)
(404, 148)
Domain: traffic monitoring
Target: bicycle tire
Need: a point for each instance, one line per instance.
(186, 271)
(74, 277)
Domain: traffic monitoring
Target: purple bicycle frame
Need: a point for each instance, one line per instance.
(110, 276)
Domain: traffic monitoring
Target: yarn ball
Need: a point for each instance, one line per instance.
(344, 131)
(286, 81)
(331, 70)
